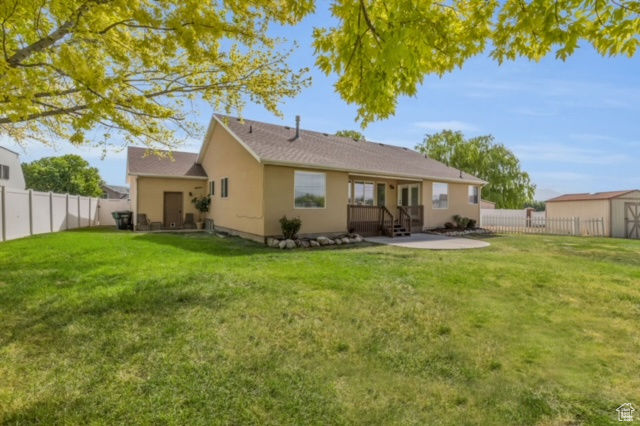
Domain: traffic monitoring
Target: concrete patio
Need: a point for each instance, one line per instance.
(430, 242)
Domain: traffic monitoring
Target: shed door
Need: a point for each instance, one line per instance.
(632, 219)
(173, 209)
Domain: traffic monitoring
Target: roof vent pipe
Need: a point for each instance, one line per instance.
(297, 127)
(250, 129)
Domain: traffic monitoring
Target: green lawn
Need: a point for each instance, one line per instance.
(111, 327)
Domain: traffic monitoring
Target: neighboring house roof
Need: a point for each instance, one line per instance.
(181, 164)
(117, 188)
(276, 144)
(589, 197)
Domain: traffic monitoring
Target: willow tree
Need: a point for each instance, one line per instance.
(508, 185)
(133, 66)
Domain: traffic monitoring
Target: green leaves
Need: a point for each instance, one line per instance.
(383, 50)
(127, 66)
(509, 187)
(68, 174)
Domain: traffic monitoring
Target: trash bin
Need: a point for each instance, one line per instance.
(123, 219)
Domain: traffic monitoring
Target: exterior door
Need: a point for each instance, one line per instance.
(632, 220)
(409, 195)
(173, 209)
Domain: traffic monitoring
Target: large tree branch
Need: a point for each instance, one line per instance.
(48, 41)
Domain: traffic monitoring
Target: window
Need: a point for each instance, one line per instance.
(382, 194)
(212, 187)
(363, 193)
(310, 190)
(224, 187)
(4, 172)
(473, 194)
(440, 195)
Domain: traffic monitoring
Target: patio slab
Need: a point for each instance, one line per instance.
(430, 242)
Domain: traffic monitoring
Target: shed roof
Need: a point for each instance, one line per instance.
(277, 144)
(590, 197)
(142, 162)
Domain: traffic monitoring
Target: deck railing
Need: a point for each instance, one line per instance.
(416, 213)
(387, 222)
(404, 218)
(378, 220)
(364, 220)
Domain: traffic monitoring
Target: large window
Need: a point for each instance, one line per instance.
(473, 194)
(224, 187)
(440, 195)
(310, 190)
(4, 172)
(363, 193)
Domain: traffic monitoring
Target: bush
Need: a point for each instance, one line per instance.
(457, 219)
(448, 225)
(471, 223)
(290, 227)
(461, 222)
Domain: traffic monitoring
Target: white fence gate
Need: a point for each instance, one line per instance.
(544, 225)
(25, 213)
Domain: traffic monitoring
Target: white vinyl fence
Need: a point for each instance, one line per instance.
(492, 217)
(544, 225)
(25, 213)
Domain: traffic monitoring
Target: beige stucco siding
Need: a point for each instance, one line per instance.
(618, 224)
(458, 205)
(279, 190)
(149, 192)
(586, 209)
(243, 209)
(133, 194)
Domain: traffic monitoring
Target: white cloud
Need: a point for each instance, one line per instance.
(445, 125)
(566, 154)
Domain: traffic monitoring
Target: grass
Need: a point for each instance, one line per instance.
(104, 327)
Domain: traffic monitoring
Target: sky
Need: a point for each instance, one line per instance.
(574, 125)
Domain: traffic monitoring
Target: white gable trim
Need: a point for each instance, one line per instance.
(212, 124)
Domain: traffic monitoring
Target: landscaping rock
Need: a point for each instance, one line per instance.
(323, 241)
(273, 242)
(345, 240)
(313, 243)
(282, 244)
(352, 240)
(298, 243)
(290, 244)
(338, 241)
(358, 239)
(304, 243)
(331, 242)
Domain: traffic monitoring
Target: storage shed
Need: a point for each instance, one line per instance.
(619, 209)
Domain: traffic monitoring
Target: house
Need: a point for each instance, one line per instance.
(487, 205)
(256, 173)
(10, 169)
(619, 209)
(114, 192)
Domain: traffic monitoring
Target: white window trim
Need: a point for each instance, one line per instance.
(224, 192)
(294, 190)
(432, 187)
(477, 194)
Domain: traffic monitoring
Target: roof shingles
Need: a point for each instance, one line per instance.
(277, 144)
(589, 197)
(183, 164)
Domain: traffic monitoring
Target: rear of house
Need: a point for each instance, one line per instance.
(256, 173)
(619, 209)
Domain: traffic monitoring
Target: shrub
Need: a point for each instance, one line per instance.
(290, 227)
(448, 225)
(471, 223)
(464, 222)
(457, 219)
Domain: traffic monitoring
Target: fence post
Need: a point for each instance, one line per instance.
(31, 212)
(66, 215)
(51, 211)
(577, 226)
(3, 215)
(602, 222)
(79, 214)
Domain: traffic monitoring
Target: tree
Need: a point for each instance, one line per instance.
(70, 66)
(354, 134)
(508, 187)
(538, 206)
(383, 49)
(68, 174)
